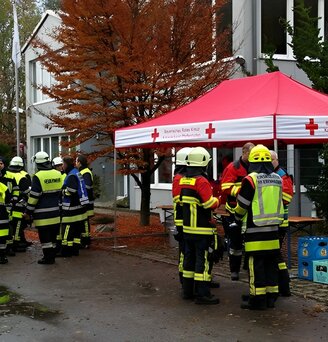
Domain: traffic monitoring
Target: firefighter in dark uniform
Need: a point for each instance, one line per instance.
(4, 218)
(21, 185)
(198, 230)
(260, 210)
(43, 205)
(179, 172)
(74, 201)
(7, 179)
(287, 196)
(230, 186)
(82, 165)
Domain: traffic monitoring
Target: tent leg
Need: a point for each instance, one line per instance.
(115, 207)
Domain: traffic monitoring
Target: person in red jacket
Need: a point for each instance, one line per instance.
(287, 195)
(198, 229)
(179, 172)
(230, 186)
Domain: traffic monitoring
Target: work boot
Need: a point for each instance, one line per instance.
(3, 259)
(214, 285)
(245, 297)
(205, 300)
(45, 261)
(234, 276)
(255, 303)
(10, 251)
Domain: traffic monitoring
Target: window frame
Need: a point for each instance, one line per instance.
(290, 17)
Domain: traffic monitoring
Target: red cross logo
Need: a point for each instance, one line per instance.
(210, 130)
(311, 126)
(155, 135)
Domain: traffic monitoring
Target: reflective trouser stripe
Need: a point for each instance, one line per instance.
(282, 266)
(86, 232)
(77, 240)
(272, 289)
(46, 222)
(18, 226)
(251, 276)
(205, 276)
(181, 262)
(254, 291)
(46, 245)
(236, 252)
(64, 241)
(3, 245)
(4, 232)
(197, 230)
(188, 274)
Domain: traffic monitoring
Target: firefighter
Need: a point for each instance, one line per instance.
(230, 186)
(74, 201)
(287, 195)
(43, 205)
(4, 218)
(21, 185)
(179, 172)
(7, 179)
(82, 165)
(260, 210)
(198, 229)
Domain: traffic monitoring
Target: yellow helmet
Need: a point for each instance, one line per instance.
(181, 156)
(260, 154)
(198, 156)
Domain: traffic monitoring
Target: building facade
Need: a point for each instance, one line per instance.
(40, 135)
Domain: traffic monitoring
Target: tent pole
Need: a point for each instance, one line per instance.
(115, 206)
(275, 145)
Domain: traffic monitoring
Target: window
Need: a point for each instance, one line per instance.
(162, 177)
(51, 145)
(224, 25)
(39, 77)
(273, 36)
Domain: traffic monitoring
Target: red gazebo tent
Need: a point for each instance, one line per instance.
(263, 108)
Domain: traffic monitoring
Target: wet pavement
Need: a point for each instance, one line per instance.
(111, 296)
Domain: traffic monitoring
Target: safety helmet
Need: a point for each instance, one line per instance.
(198, 156)
(41, 157)
(180, 158)
(17, 161)
(57, 161)
(260, 154)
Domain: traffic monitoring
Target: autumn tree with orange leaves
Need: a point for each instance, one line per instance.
(123, 62)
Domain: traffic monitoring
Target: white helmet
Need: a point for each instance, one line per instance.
(198, 156)
(57, 161)
(180, 158)
(17, 161)
(41, 157)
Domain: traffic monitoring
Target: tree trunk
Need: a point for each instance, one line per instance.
(145, 199)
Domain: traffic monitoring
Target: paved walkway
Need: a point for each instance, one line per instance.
(169, 254)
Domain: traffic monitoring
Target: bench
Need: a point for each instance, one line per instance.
(297, 224)
(167, 209)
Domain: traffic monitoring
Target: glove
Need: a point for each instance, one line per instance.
(216, 249)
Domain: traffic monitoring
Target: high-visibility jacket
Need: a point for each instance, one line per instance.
(88, 180)
(260, 207)
(44, 198)
(231, 180)
(177, 204)
(7, 179)
(20, 190)
(4, 217)
(198, 202)
(287, 192)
